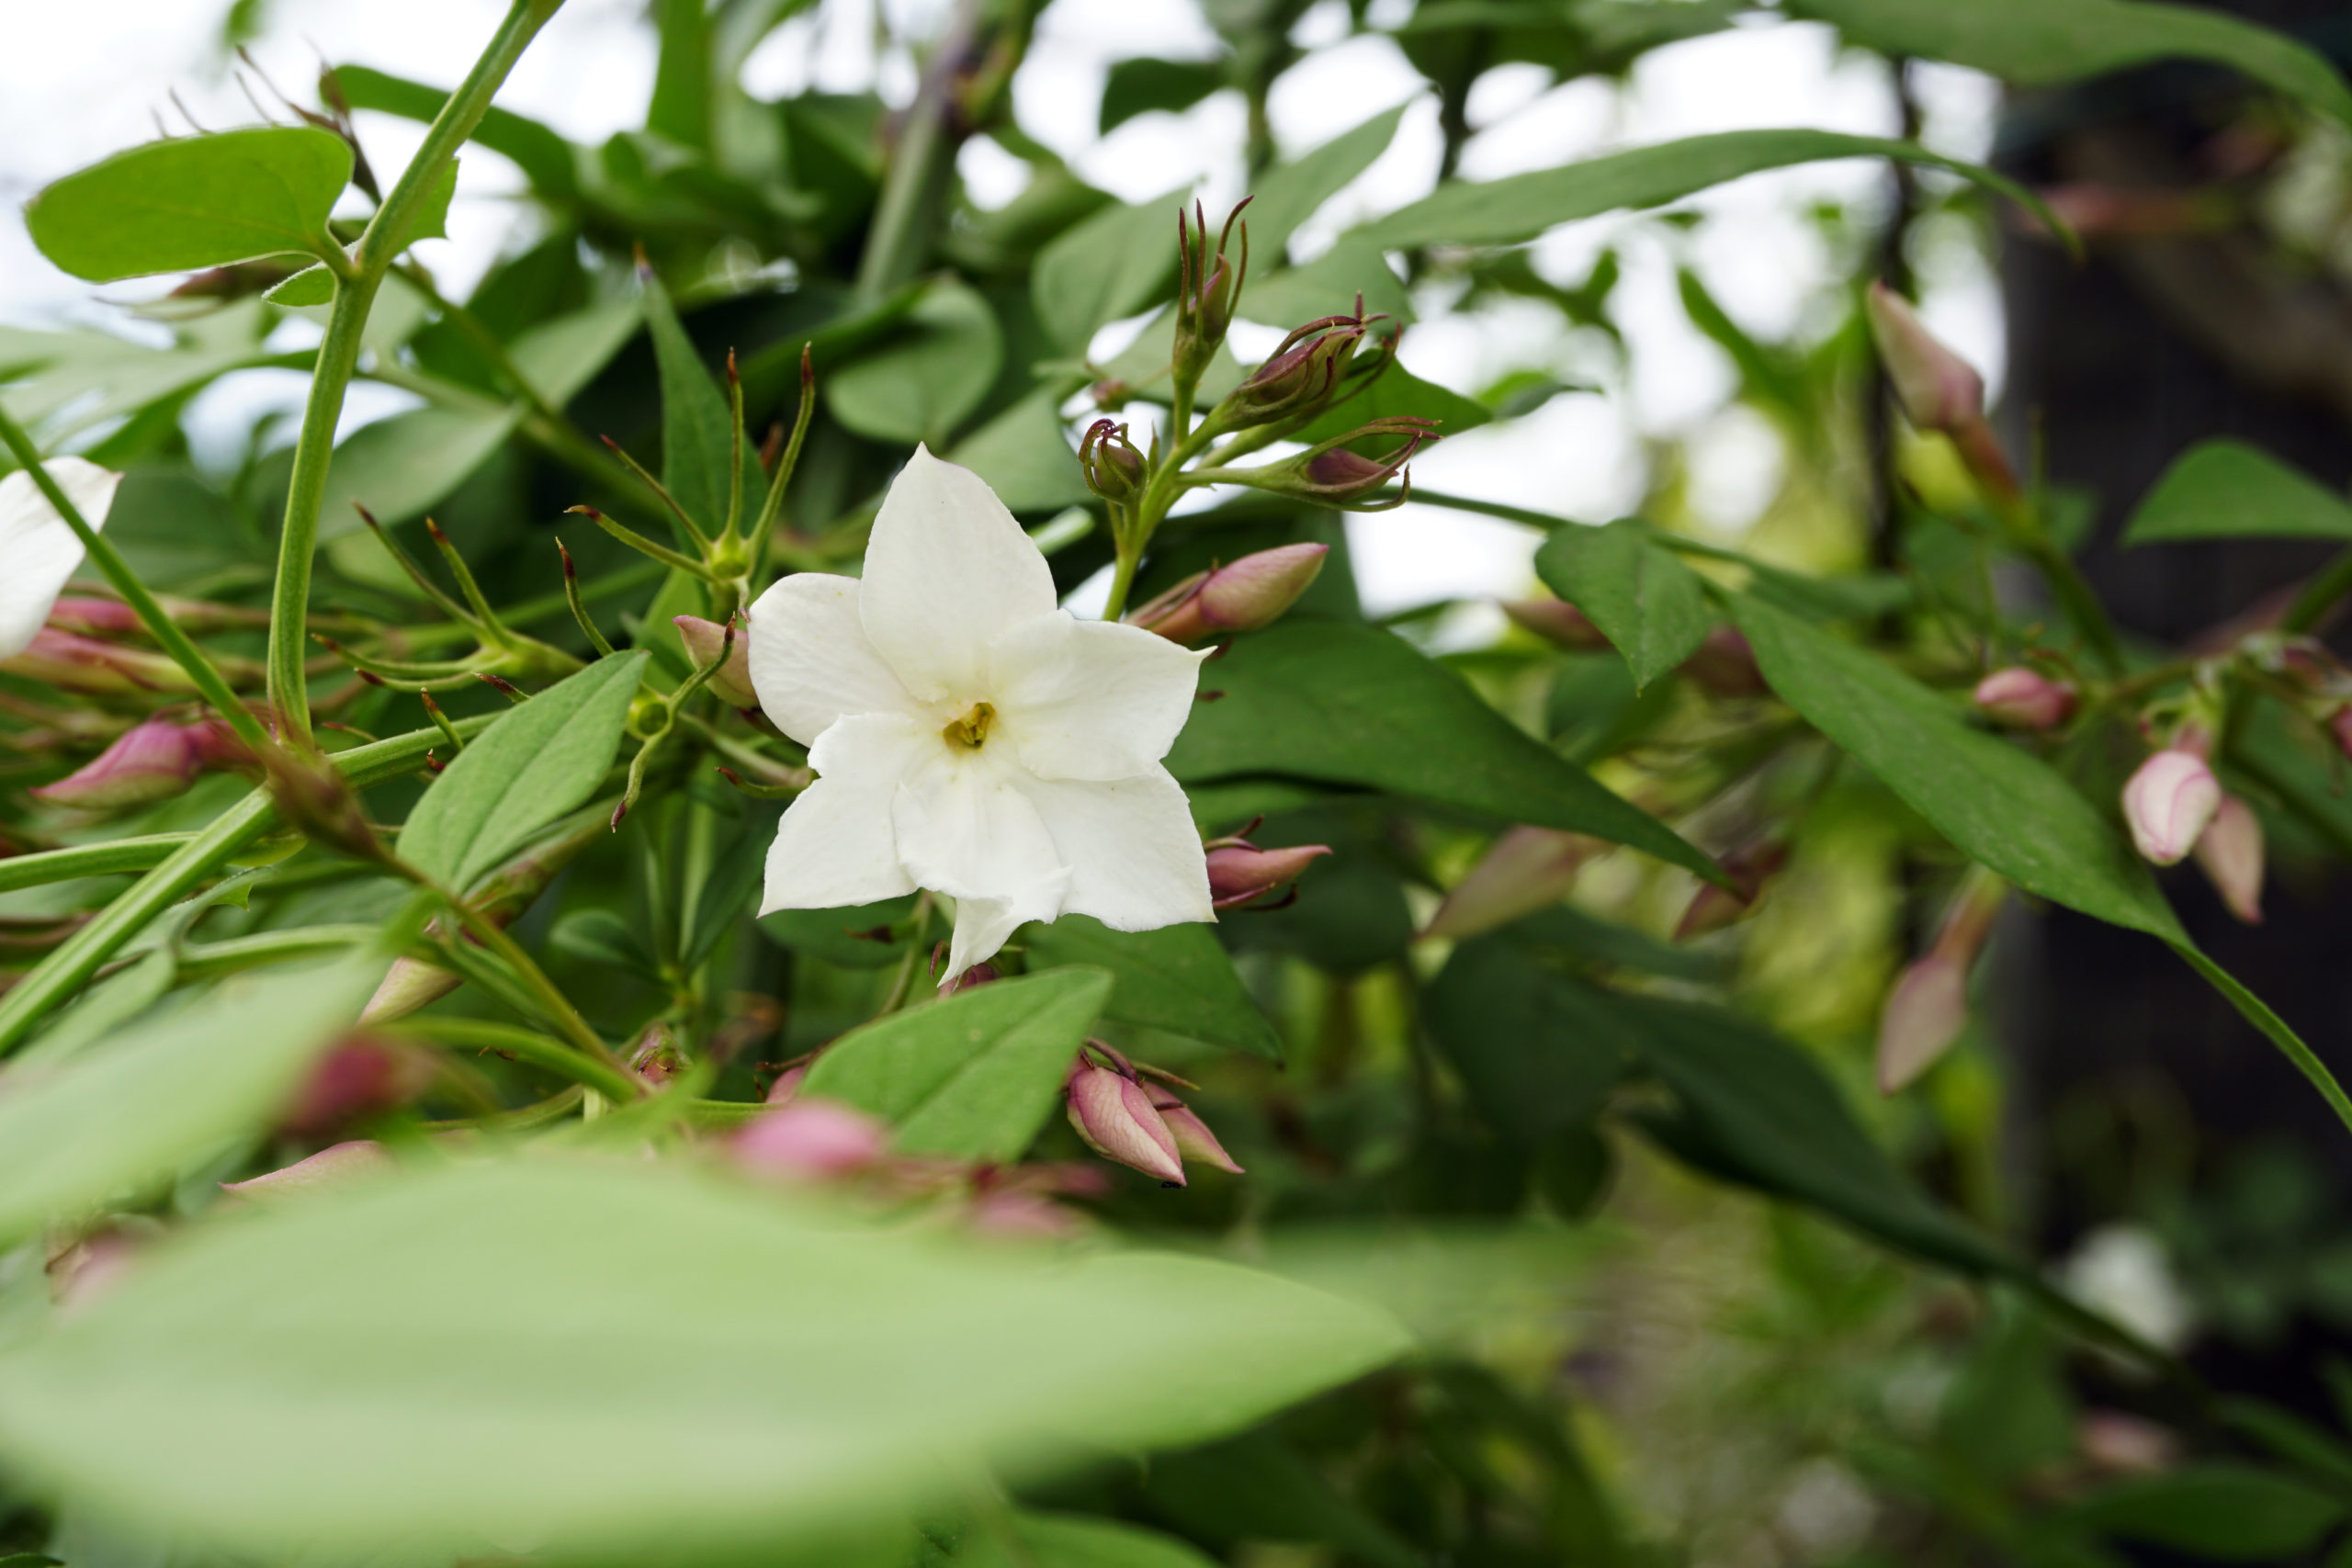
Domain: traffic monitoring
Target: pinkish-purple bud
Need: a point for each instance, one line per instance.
(1243, 874)
(1936, 388)
(1725, 665)
(2340, 726)
(75, 663)
(787, 1088)
(1113, 468)
(1114, 1116)
(1194, 1139)
(2025, 699)
(2230, 852)
(731, 681)
(152, 760)
(812, 1137)
(1713, 906)
(1925, 1013)
(95, 617)
(361, 1077)
(2168, 802)
(1249, 593)
(1558, 623)
(330, 1168)
(1524, 870)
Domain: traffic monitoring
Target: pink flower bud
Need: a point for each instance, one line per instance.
(411, 984)
(2230, 851)
(73, 664)
(1115, 1117)
(1194, 1139)
(1241, 597)
(1299, 376)
(1525, 869)
(1242, 873)
(95, 617)
(1725, 665)
(2340, 726)
(1714, 907)
(1558, 623)
(360, 1078)
(1936, 388)
(786, 1087)
(812, 1138)
(1923, 1014)
(978, 974)
(2025, 699)
(2168, 802)
(731, 682)
(330, 1168)
(153, 761)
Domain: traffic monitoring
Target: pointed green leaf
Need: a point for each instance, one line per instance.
(924, 381)
(532, 765)
(2035, 43)
(194, 201)
(1517, 208)
(1537, 1052)
(140, 1106)
(1117, 262)
(974, 1075)
(1288, 195)
(1349, 704)
(1643, 599)
(2215, 1511)
(697, 425)
(452, 1363)
(1179, 978)
(2227, 489)
(311, 285)
(1999, 804)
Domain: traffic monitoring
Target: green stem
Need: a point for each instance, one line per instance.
(200, 961)
(528, 1045)
(550, 997)
(2319, 595)
(902, 984)
(1122, 578)
(901, 237)
(159, 624)
(339, 357)
(74, 961)
(114, 856)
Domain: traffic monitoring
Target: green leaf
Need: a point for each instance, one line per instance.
(311, 285)
(1756, 1109)
(1349, 704)
(974, 1075)
(2227, 489)
(697, 425)
(1327, 285)
(1179, 978)
(924, 383)
(1023, 456)
(532, 765)
(1257, 1487)
(194, 201)
(1537, 1052)
(161, 1096)
(1110, 268)
(1142, 85)
(547, 160)
(1999, 804)
(1287, 196)
(1644, 601)
(471, 1338)
(1516, 209)
(402, 467)
(431, 220)
(1071, 1541)
(2038, 43)
(2220, 1511)
(858, 937)
(680, 108)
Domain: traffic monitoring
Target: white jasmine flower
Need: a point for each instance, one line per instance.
(972, 737)
(37, 551)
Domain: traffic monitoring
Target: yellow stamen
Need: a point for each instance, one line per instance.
(972, 729)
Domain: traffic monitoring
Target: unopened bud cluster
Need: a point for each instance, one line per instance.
(1131, 1114)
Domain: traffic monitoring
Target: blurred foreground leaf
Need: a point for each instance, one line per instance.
(622, 1360)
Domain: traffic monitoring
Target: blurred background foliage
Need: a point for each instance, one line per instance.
(1759, 1354)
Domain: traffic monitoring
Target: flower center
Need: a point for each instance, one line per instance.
(972, 729)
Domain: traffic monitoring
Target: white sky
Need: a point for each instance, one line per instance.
(80, 80)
